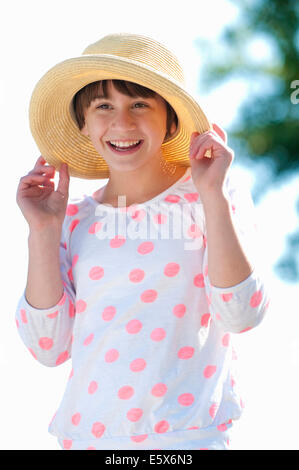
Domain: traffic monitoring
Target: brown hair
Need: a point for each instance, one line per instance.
(87, 94)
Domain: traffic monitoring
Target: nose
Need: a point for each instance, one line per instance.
(123, 121)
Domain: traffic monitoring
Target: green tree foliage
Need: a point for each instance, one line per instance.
(266, 128)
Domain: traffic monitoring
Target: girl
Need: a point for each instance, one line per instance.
(142, 283)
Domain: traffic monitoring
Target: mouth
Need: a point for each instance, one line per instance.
(124, 146)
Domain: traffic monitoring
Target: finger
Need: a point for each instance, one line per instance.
(221, 132)
(64, 178)
(32, 180)
(42, 169)
(40, 161)
(208, 136)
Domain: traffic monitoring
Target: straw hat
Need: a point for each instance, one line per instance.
(120, 56)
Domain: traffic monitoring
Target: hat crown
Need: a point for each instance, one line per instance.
(144, 50)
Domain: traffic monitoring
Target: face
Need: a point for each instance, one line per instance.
(126, 131)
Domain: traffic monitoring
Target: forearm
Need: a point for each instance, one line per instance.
(227, 262)
(44, 286)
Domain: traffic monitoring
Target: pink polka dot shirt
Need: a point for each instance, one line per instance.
(150, 339)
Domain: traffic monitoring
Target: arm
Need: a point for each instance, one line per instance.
(228, 264)
(235, 290)
(44, 284)
(45, 311)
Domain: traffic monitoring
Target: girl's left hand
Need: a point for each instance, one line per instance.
(208, 174)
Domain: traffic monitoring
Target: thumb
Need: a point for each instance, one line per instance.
(64, 179)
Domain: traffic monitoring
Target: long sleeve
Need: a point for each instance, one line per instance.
(240, 307)
(47, 333)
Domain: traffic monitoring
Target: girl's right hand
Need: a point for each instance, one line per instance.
(40, 204)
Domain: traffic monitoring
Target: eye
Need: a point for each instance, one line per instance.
(103, 106)
(140, 105)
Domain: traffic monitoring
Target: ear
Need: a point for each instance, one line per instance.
(173, 128)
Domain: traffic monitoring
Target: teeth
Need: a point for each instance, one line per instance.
(127, 143)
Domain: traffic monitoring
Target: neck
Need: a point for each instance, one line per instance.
(138, 185)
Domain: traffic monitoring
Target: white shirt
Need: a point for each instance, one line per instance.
(148, 335)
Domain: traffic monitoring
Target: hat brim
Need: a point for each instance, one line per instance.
(56, 131)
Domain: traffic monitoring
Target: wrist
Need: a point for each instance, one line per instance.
(50, 233)
(213, 196)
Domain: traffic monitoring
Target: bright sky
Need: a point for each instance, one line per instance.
(35, 35)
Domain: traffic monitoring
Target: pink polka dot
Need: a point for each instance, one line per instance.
(204, 321)
(125, 392)
(160, 219)
(158, 334)
(72, 311)
(62, 358)
(32, 352)
(172, 198)
(159, 390)
(95, 227)
(138, 215)
(73, 224)
(213, 410)
(67, 444)
(194, 231)
(71, 374)
(98, 429)
(225, 339)
(186, 352)
(171, 269)
(45, 343)
(222, 427)
(139, 438)
(80, 306)
(53, 315)
(179, 310)
(209, 371)
(256, 299)
(186, 399)
(133, 326)
(199, 280)
(161, 426)
(111, 355)
(136, 275)
(117, 241)
(63, 299)
(88, 340)
(137, 365)
(76, 419)
(149, 295)
(92, 387)
(75, 260)
(91, 448)
(23, 315)
(246, 329)
(97, 272)
(191, 197)
(145, 248)
(134, 414)
(71, 209)
(17, 323)
(108, 313)
(70, 274)
(226, 297)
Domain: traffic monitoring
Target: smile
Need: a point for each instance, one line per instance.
(125, 146)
